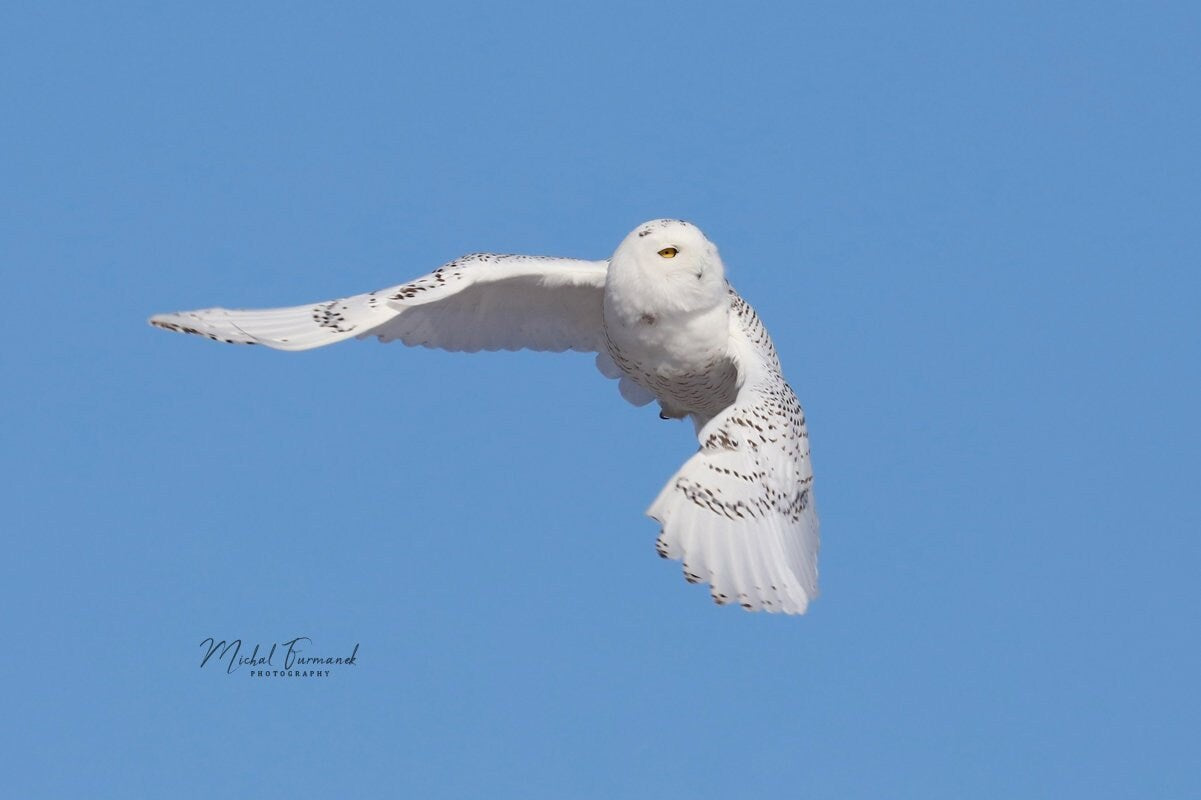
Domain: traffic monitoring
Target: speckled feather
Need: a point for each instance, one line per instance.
(483, 301)
(740, 513)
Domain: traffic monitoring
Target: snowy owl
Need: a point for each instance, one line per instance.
(662, 320)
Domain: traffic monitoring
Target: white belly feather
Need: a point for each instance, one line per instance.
(682, 358)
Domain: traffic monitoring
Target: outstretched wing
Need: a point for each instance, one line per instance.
(483, 301)
(740, 512)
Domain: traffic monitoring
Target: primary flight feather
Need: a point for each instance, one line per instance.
(662, 319)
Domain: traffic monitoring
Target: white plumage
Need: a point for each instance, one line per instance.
(664, 322)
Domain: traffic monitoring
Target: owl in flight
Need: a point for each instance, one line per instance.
(664, 322)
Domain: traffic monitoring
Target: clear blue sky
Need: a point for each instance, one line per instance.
(971, 229)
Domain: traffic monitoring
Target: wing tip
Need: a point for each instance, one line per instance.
(168, 322)
(791, 598)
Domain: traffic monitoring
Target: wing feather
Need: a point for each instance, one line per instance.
(483, 301)
(740, 513)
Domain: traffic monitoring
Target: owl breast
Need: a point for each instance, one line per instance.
(682, 359)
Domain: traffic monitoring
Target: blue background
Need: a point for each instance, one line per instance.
(972, 230)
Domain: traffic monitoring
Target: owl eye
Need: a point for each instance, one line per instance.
(668, 252)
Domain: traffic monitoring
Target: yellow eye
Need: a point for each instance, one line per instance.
(668, 252)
